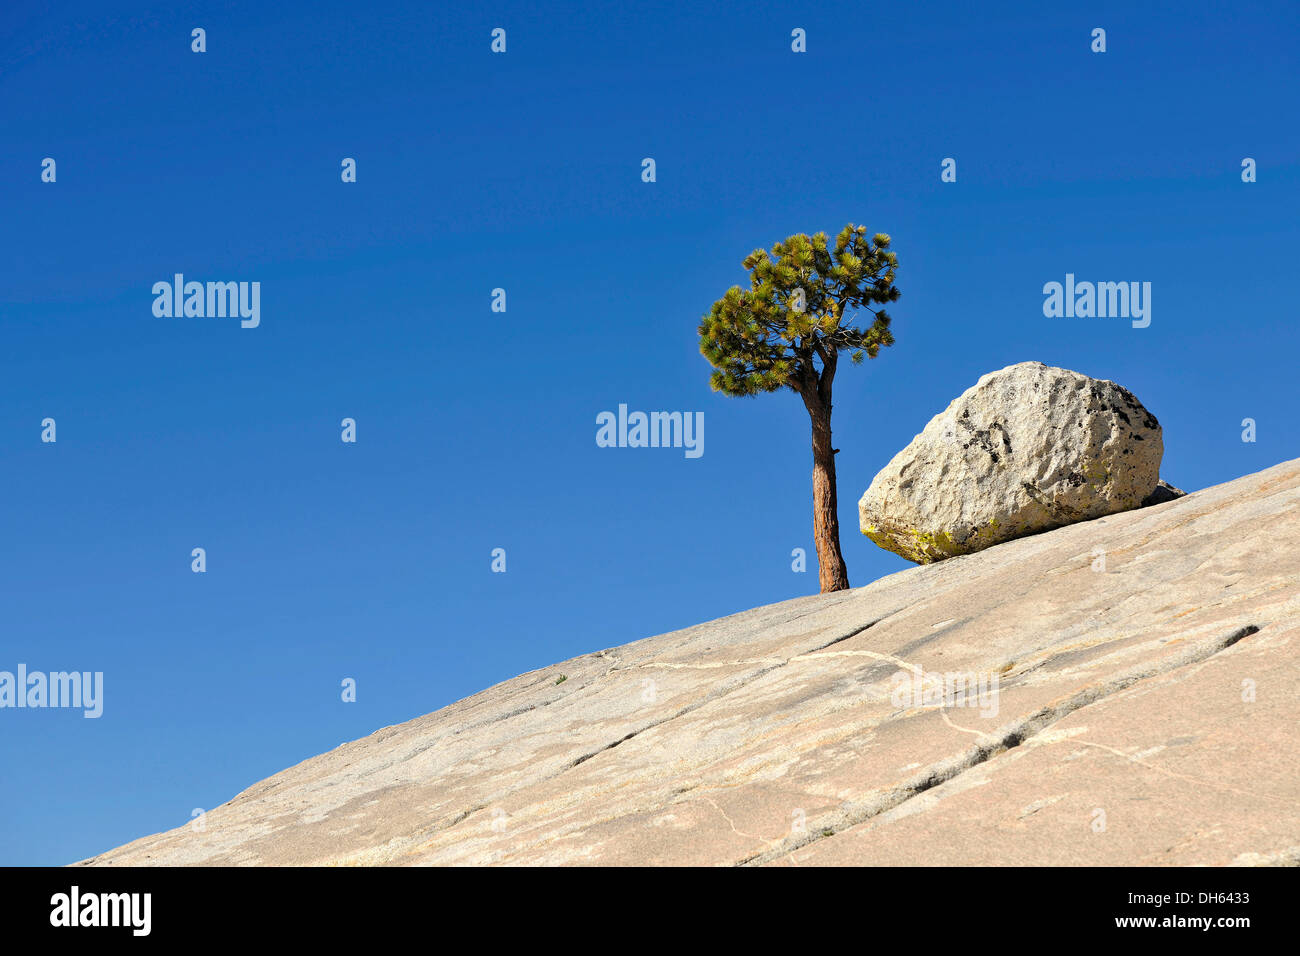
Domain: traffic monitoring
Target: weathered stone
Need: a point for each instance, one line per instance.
(1164, 492)
(1028, 448)
(1144, 714)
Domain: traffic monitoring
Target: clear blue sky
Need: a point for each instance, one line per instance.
(476, 430)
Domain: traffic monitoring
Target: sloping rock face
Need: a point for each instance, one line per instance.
(1120, 691)
(1026, 449)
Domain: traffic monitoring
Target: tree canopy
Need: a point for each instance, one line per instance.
(788, 328)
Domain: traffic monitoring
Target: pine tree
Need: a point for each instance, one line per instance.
(787, 331)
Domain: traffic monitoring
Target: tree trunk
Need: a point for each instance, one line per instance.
(826, 522)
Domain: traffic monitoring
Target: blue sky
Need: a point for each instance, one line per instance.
(476, 429)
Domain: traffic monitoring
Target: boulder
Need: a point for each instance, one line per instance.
(1028, 448)
(1164, 492)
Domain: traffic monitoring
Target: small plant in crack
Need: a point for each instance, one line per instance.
(561, 679)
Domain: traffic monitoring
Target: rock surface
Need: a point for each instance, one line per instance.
(1026, 449)
(1148, 668)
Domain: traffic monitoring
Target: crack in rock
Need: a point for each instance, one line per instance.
(716, 694)
(1000, 741)
(776, 664)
